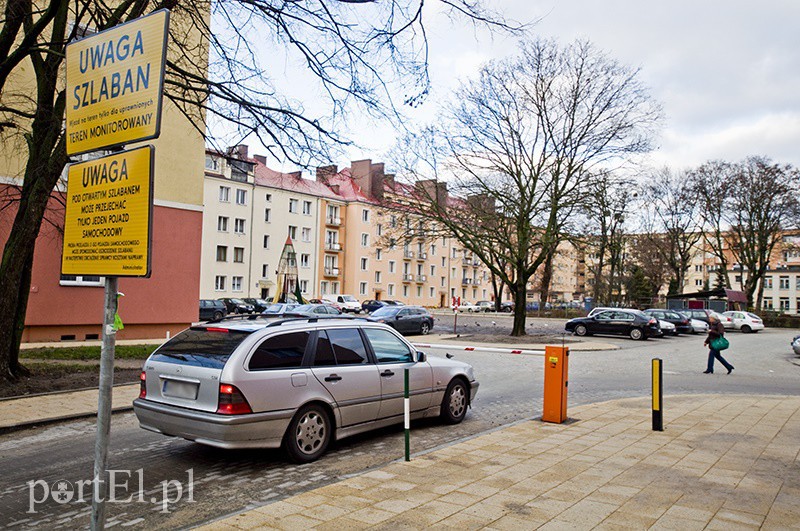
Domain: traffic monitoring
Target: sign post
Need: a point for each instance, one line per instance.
(115, 82)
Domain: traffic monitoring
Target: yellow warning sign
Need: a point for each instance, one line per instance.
(114, 84)
(107, 226)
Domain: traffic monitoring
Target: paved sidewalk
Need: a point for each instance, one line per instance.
(723, 462)
(32, 410)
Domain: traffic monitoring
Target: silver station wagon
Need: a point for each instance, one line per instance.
(293, 383)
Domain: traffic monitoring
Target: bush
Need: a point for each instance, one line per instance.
(780, 320)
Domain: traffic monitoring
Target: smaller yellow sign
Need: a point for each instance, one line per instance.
(109, 207)
(115, 81)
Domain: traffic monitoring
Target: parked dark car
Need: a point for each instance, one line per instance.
(507, 306)
(405, 319)
(259, 305)
(372, 305)
(631, 323)
(279, 308)
(237, 306)
(681, 322)
(212, 309)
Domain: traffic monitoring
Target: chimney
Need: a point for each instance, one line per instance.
(239, 152)
(388, 181)
(376, 180)
(261, 158)
(433, 190)
(326, 172)
(360, 172)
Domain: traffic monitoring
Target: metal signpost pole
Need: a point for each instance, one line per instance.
(104, 406)
(407, 415)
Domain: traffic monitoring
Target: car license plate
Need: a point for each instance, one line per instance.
(178, 389)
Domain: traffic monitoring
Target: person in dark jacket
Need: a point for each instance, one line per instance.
(715, 330)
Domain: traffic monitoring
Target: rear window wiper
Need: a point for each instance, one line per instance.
(173, 355)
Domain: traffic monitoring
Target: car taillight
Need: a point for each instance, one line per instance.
(143, 385)
(652, 321)
(232, 401)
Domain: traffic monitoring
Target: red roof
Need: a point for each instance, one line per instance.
(265, 176)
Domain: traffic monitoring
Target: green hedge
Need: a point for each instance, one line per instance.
(780, 320)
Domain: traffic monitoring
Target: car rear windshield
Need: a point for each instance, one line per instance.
(385, 311)
(200, 347)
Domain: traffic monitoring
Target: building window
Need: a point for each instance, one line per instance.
(433, 249)
(391, 290)
(393, 221)
(377, 277)
(767, 282)
(797, 282)
(236, 283)
(212, 163)
(293, 206)
(323, 287)
(222, 253)
(304, 260)
(268, 215)
(222, 224)
(362, 288)
(306, 234)
(224, 194)
(293, 232)
(392, 244)
(443, 262)
(391, 266)
(363, 264)
(432, 291)
(419, 291)
(238, 226)
(304, 286)
(405, 291)
(307, 208)
(797, 305)
(238, 255)
(219, 283)
(334, 288)
(82, 280)
(364, 239)
(378, 254)
(266, 241)
(365, 216)
(698, 282)
(380, 229)
(264, 270)
(784, 304)
(783, 282)
(433, 270)
(443, 281)
(241, 197)
(768, 303)
(268, 198)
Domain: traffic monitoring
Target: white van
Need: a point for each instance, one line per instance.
(345, 303)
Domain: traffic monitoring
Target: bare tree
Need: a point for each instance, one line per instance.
(672, 221)
(355, 52)
(522, 136)
(711, 184)
(763, 203)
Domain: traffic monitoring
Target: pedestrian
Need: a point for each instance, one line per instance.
(715, 330)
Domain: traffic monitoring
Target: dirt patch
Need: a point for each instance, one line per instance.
(511, 340)
(49, 377)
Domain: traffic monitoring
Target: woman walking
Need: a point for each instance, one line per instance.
(715, 330)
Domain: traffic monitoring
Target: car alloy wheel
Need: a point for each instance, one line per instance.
(217, 316)
(636, 333)
(580, 330)
(746, 329)
(424, 328)
(454, 405)
(308, 434)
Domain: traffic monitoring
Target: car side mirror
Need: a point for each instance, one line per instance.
(421, 357)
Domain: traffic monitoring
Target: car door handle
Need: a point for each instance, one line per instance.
(387, 373)
(333, 378)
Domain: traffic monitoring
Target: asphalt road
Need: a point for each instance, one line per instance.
(225, 482)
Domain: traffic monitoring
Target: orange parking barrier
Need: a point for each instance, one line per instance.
(555, 384)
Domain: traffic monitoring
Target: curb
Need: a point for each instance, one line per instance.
(53, 420)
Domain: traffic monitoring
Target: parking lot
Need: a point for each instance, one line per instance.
(511, 390)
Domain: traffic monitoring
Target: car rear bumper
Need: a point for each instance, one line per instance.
(754, 326)
(257, 430)
(473, 390)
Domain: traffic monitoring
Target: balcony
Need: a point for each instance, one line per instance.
(408, 255)
(408, 277)
(331, 271)
(476, 263)
(333, 246)
(422, 256)
(333, 221)
(466, 281)
(422, 278)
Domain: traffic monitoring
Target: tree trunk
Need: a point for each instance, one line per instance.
(520, 300)
(547, 277)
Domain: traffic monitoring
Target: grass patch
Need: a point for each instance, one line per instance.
(121, 352)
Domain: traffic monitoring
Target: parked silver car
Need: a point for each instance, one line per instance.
(293, 383)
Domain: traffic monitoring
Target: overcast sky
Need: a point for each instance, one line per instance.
(726, 72)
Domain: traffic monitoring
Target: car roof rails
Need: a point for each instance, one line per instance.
(316, 319)
(240, 316)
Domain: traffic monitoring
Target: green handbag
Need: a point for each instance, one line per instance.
(720, 343)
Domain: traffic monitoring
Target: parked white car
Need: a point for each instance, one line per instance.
(725, 319)
(343, 303)
(667, 328)
(745, 321)
(467, 307)
(796, 345)
(698, 326)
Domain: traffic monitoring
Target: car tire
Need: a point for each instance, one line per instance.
(308, 434)
(636, 334)
(217, 316)
(455, 402)
(581, 330)
(746, 329)
(424, 328)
